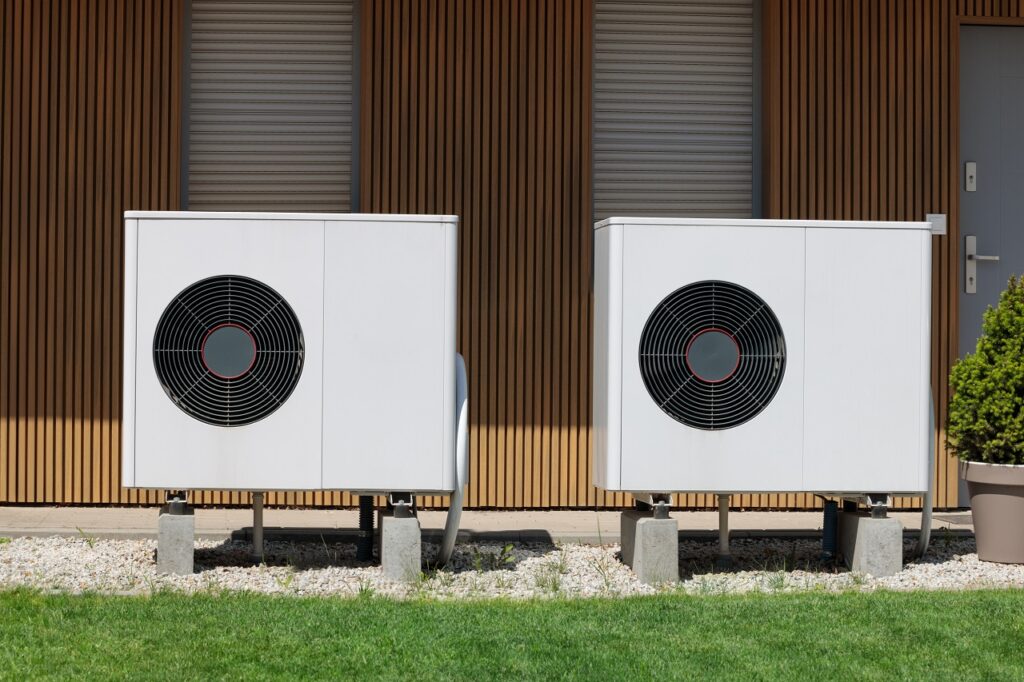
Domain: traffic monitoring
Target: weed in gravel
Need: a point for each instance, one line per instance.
(333, 556)
(704, 587)
(776, 581)
(285, 581)
(443, 579)
(5, 541)
(89, 539)
(561, 562)
(549, 578)
(604, 570)
(365, 589)
(493, 561)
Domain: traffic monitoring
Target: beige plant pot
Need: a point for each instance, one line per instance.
(997, 508)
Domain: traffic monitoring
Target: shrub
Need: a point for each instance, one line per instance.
(986, 413)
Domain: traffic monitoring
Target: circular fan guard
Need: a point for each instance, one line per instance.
(271, 365)
(725, 310)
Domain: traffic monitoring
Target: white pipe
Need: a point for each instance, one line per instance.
(257, 524)
(925, 535)
(723, 525)
(451, 525)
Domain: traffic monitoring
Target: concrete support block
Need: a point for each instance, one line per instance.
(400, 548)
(175, 547)
(871, 546)
(650, 547)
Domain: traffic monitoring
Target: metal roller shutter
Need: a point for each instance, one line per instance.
(271, 103)
(673, 108)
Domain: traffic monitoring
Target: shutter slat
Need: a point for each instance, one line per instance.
(673, 108)
(271, 105)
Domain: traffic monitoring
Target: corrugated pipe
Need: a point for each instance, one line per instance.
(364, 545)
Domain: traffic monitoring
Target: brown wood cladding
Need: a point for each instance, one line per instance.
(479, 108)
(861, 123)
(90, 95)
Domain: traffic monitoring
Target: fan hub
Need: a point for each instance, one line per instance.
(229, 351)
(713, 355)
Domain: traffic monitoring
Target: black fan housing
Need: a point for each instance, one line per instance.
(228, 350)
(712, 355)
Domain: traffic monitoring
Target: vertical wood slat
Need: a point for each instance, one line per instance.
(891, 78)
(70, 75)
(493, 126)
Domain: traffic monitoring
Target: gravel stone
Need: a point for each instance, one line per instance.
(478, 570)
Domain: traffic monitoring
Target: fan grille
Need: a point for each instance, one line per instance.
(741, 378)
(266, 368)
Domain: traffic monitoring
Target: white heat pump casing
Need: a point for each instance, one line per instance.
(851, 412)
(373, 409)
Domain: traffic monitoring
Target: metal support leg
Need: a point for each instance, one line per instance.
(257, 525)
(724, 559)
(661, 503)
(830, 531)
(879, 505)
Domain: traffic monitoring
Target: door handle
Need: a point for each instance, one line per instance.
(971, 258)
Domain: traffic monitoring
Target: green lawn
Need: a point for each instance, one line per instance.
(971, 635)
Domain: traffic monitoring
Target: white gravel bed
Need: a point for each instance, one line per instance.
(478, 570)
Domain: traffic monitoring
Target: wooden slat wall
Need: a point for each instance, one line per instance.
(474, 107)
(90, 95)
(860, 122)
(481, 108)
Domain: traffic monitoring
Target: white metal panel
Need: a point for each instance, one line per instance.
(673, 108)
(607, 417)
(867, 372)
(283, 450)
(851, 414)
(660, 454)
(779, 224)
(389, 373)
(131, 273)
(270, 120)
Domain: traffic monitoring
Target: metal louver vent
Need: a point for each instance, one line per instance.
(712, 355)
(228, 350)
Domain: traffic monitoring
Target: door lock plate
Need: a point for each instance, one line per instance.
(971, 258)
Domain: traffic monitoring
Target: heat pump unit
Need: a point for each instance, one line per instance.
(761, 356)
(290, 351)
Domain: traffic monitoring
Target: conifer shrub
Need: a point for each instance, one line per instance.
(986, 412)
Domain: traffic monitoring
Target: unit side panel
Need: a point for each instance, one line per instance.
(387, 381)
(607, 417)
(868, 294)
(131, 245)
(662, 454)
(281, 451)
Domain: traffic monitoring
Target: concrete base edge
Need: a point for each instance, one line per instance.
(871, 546)
(176, 536)
(650, 547)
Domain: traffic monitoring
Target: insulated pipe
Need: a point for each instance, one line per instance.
(451, 526)
(364, 542)
(926, 501)
(257, 525)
